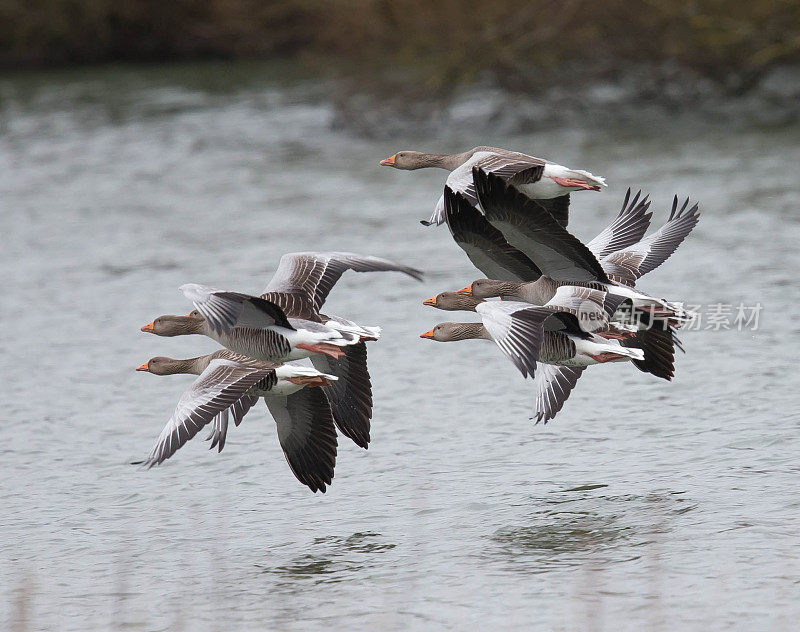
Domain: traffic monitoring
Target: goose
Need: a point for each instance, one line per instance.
(302, 414)
(553, 384)
(519, 330)
(541, 180)
(564, 259)
(489, 251)
(251, 326)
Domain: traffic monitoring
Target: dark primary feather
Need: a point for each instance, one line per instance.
(483, 243)
(659, 351)
(628, 227)
(307, 436)
(523, 339)
(558, 207)
(350, 396)
(527, 226)
(219, 427)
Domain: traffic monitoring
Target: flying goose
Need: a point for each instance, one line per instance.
(489, 251)
(562, 257)
(519, 330)
(541, 180)
(554, 383)
(251, 326)
(302, 414)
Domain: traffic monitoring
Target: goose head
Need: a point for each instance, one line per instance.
(453, 301)
(170, 325)
(169, 366)
(450, 332)
(489, 288)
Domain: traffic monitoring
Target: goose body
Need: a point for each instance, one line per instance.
(542, 180)
(556, 333)
(285, 323)
(258, 328)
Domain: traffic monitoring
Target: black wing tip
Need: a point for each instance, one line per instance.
(659, 352)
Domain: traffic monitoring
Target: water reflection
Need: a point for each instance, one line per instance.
(606, 527)
(333, 558)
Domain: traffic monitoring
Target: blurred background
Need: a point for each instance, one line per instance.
(144, 145)
(416, 58)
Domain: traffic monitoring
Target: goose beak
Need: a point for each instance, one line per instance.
(466, 291)
(431, 302)
(149, 329)
(388, 162)
(427, 334)
(145, 366)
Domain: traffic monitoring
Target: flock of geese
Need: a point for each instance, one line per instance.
(563, 305)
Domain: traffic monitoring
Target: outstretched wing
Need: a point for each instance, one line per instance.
(225, 310)
(529, 227)
(350, 396)
(310, 276)
(553, 386)
(517, 328)
(483, 243)
(307, 435)
(649, 253)
(216, 389)
(628, 227)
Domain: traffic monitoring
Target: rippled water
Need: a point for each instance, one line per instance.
(645, 505)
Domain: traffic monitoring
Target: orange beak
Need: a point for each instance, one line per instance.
(189, 314)
(144, 367)
(431, 302)
(149, 329)
(388, 162)
(466, 291)
(427, 334)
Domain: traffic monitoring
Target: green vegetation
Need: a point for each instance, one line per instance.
(433, 45)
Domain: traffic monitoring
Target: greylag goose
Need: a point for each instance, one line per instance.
(519, 330)
(258, 328)
(562, 258)
(553, 384)
(489, 251)
(542, 180)
(302, 414)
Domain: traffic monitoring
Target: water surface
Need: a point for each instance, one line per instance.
(644, 505)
